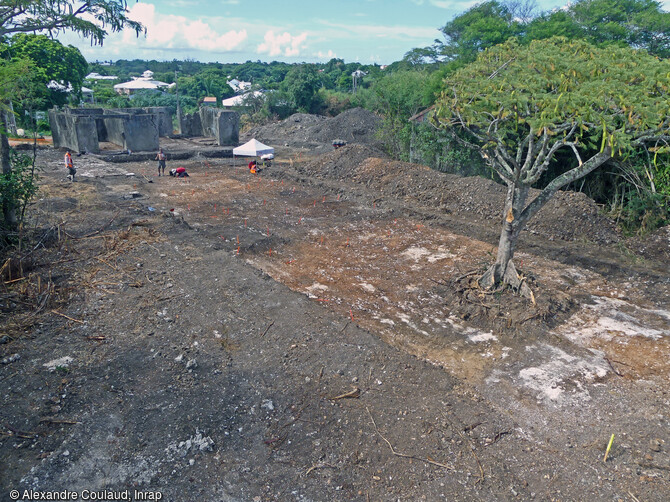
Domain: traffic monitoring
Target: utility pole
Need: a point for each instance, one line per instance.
(176, 88)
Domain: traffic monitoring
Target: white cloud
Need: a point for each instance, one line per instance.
(326, 55)
(282, 44)
(179, 32)
(365, 31)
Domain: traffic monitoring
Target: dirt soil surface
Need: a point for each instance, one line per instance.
(314, 333)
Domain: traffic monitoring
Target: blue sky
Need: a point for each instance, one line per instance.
(235, 31)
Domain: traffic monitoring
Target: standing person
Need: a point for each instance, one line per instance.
(70, 165)
(161, 158)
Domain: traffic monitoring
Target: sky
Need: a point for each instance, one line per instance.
(235, 31)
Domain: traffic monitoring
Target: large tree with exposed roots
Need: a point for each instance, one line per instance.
(519, 106)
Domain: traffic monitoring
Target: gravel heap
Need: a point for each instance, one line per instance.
(567, 216)
(356, 125)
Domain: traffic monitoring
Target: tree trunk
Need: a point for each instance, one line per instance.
(503, 271)
(8, 206)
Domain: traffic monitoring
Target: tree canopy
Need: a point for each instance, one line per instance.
(521, 105)
(90, 19)
(54, 61)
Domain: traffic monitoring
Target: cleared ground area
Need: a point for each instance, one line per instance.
(313, 333)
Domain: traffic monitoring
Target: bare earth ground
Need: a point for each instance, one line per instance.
(309, 334)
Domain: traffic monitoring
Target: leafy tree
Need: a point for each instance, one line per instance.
(397, 97)
(521, 105)
(554, 24)
(90, 19)
(57, 62)
(484, 25)
(16, 77)
(638, 23)
(300, 87)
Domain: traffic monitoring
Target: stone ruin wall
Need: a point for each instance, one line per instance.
(137, 129)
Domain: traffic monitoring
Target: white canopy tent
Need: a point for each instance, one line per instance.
(252, 148)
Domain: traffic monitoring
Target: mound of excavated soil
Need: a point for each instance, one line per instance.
(354, 126)
(655, 245)
(568, 216)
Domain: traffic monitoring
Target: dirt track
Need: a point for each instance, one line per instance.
(215, 336)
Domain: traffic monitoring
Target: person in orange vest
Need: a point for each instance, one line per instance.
(252, 167)
(161, 158)
(70, 165)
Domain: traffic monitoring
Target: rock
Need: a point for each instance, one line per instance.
(655, 445)
(62, 362)
(191, 364)
(10, 359)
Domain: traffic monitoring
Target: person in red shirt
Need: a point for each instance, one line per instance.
(180, 172)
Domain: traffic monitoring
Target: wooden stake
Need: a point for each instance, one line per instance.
(609, 447)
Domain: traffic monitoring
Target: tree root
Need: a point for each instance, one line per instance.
(510, 277)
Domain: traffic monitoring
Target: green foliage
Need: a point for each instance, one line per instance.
(62, 64)
(554, 85)
(300, 88)
(17, 77)
(482, 26)
(439, 151)
(90, 19)
(152, 98)
(637, 23)
(397, 97)
(644, 212)
(554, 111)
(18, 186)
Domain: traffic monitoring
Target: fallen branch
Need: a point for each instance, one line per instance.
(56, 421)
(354, 394)
(16, 280)
(19, 433)
(96, 232)
(403, 455)
(616, 372)
(318, 466)
(467, 274)
(497, 437)
(267, 329)
(67, 317)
